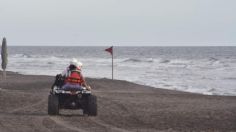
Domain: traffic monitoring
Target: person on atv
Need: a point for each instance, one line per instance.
(73, 76)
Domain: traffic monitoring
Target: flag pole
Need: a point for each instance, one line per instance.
(110, 50)
(112, 61)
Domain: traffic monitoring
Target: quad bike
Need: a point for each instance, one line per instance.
(71, 98)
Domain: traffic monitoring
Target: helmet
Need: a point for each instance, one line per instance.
(76, 63)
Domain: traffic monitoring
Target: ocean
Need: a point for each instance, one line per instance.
(204, 70)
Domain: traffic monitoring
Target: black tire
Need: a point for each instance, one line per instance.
(53, 104)
(92, 105)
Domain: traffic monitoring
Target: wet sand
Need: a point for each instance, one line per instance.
(122, 107)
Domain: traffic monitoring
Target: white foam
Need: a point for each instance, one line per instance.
(205, 76)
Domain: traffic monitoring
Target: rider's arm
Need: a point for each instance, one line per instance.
(84, 82)
(65, 72)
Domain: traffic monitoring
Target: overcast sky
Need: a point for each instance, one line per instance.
(119, 22)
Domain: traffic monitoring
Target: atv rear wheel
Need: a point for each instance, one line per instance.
(53, 104)
(91, 106)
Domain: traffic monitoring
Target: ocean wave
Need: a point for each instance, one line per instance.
(212, 59)
(211, 90)
(21, 56)
(230, 78)
(165, 61)
(24, 55)
(179, 61)
(50, 63)
(149, 60)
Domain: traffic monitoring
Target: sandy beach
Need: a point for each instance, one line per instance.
(122, 107)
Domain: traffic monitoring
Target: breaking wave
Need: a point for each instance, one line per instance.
(199, 73)
(212, 59)
(165, 61)
(149, 60)
(21, 56)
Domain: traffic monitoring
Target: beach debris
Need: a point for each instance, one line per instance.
(4, 57)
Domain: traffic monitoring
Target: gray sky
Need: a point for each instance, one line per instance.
(119, 22)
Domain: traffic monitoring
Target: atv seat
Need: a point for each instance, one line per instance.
(69, 87)
(72, 89)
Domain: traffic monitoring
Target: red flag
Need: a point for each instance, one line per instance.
(110, 50)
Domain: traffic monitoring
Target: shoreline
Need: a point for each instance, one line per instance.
(89, 78)
(122, 106)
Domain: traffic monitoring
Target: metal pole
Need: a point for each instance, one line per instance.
(112, 62)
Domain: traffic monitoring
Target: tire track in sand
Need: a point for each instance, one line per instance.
(107, 126)
(43, 101)
(63, 123)
(28, 106)
(60, 122)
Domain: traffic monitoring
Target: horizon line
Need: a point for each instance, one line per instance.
(122, 45)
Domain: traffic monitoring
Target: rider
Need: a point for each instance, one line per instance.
(73, 76)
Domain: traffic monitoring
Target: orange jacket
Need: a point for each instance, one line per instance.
(74, 77)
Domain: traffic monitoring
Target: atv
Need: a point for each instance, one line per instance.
(71, 98)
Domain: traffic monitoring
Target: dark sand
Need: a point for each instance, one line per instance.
(122, 106)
